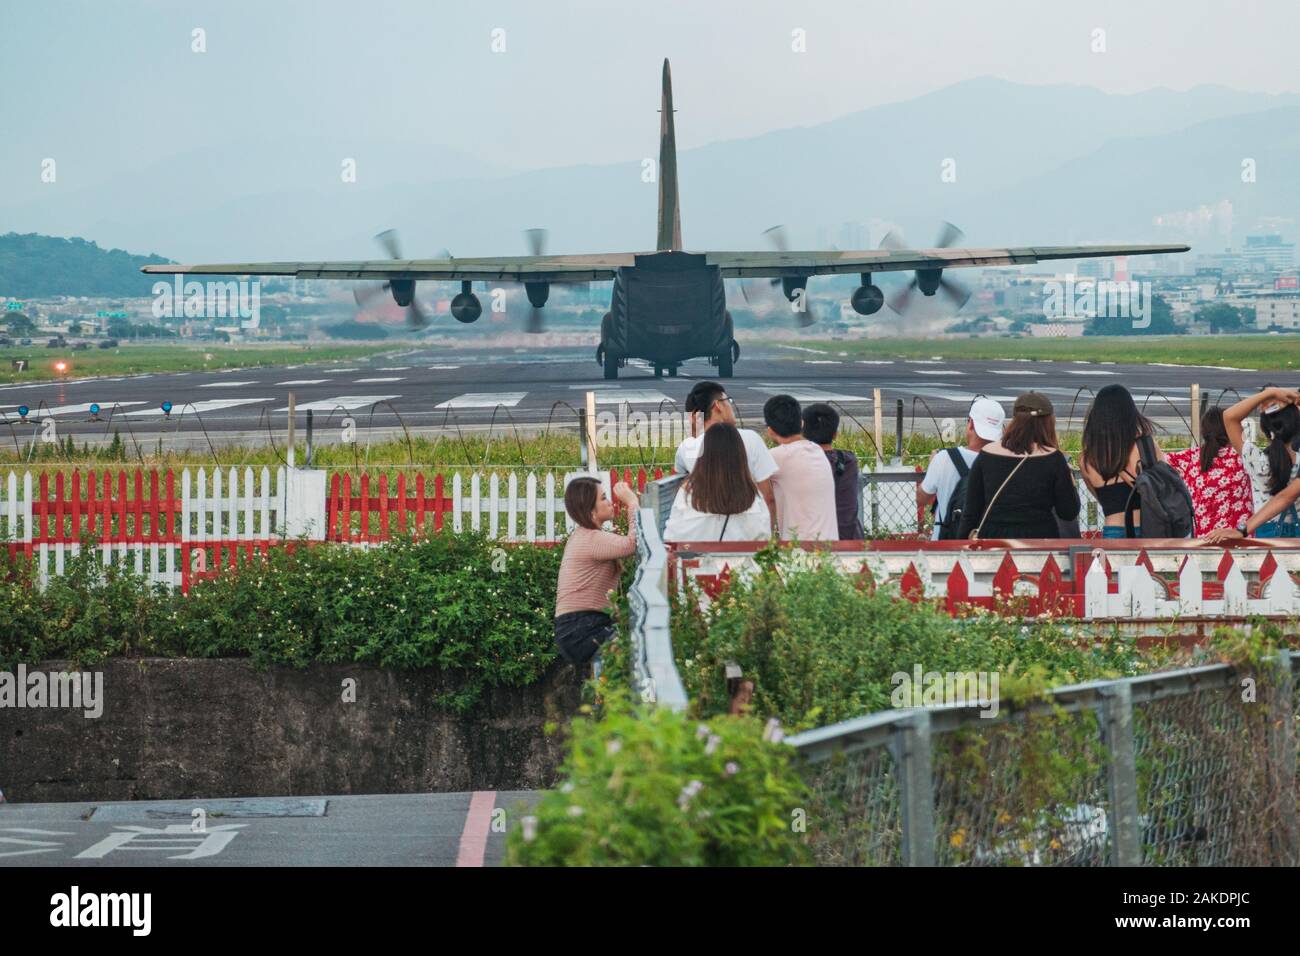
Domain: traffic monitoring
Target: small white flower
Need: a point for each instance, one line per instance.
(614, 746)
(712, 745)
(530, 829)
(702, 731)
(732, 768)
(575, 811)
(566, 787)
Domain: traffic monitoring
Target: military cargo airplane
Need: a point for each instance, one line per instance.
(667, 305)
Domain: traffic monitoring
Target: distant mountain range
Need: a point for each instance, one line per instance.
(33, 267)
(1034, 164)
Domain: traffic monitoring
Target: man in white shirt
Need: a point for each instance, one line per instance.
(710, 402)
(804, 483)
(983, 426)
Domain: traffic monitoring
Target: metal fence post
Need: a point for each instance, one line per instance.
(911, 747)
(1117, 735)
(1282, 761)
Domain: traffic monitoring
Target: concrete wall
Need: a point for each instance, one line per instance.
(177, 729)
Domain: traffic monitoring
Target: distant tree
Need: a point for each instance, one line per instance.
(18, 323)
(1223, 317)
(356, 330)
(1160, 321)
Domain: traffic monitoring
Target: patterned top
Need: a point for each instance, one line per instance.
(1255, 461)
(1221, 497)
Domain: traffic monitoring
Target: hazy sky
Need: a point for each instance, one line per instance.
(112, 84)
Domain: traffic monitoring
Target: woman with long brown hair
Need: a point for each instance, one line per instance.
(719, 501)
(1020, 485)
(1111, 457)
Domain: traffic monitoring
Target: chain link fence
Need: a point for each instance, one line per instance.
(1195, 767)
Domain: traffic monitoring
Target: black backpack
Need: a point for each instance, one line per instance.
(1159, 492)
(957, 501)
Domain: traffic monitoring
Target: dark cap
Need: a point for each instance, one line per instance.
(1034, 405)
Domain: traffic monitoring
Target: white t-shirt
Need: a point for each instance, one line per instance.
(687, 524)
(941, 479)
(761, 464)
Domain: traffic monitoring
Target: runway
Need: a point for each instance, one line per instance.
(476, 389)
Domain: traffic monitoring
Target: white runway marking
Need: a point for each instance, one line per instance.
(394, 368)
(1091, 371)
(226, 384)
(483, 400)
(1016, 371)
(376, 381)
(821, 362)
(924, 361)
(82, 408)
(805, 394)
(442, 368)
(634, 396)
(210, 405)
(922, 371)
(304, 381)
(334, 371)
(875, 361)
(345, 402)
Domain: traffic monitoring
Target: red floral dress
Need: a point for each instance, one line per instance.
(1221, 497)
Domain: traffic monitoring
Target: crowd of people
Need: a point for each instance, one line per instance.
(1009, 480)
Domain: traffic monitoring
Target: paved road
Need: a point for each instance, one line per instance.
(444, 829)
(471, 389)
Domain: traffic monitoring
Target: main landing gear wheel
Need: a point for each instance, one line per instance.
(724, 364)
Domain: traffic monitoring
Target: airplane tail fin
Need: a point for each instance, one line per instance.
(670, 214)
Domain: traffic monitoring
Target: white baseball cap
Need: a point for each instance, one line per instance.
(987, 416)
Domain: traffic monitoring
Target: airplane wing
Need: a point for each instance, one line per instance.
(505, 269)
(594, 268)
(773, 264)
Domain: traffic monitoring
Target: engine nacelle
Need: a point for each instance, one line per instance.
(403, 291)
(466, 307)
(927, 280)
(793, 286)
(538, 293)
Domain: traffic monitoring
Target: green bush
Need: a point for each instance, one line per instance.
(649, 787)
(458, 603)
(820, 648)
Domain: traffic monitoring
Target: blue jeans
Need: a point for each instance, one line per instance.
(1117, 531)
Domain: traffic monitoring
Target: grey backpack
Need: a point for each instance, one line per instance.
(1159, 492)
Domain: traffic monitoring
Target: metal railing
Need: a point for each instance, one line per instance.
(1189, 767)
(654, 670)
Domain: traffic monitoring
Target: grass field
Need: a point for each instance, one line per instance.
(1259, 352)
(559, 450)
(138, 359)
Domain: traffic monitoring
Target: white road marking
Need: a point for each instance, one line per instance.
(1091, 371)
(345, 402)
(805, 394)
(634, 396)
(82, 408)
(442, 368)
(394, 368)
(210, 405)
(821, 362)
(226, 384)
(923, 361)
(923, 371)
(875, 361)
(483, 400)
(334, 371)
(376, 381)
(304, 381)
(1014, 371)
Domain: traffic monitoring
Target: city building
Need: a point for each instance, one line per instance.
(1277, 311)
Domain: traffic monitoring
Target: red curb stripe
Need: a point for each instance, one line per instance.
(478, 821)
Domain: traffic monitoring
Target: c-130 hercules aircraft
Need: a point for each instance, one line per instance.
(668, 305)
